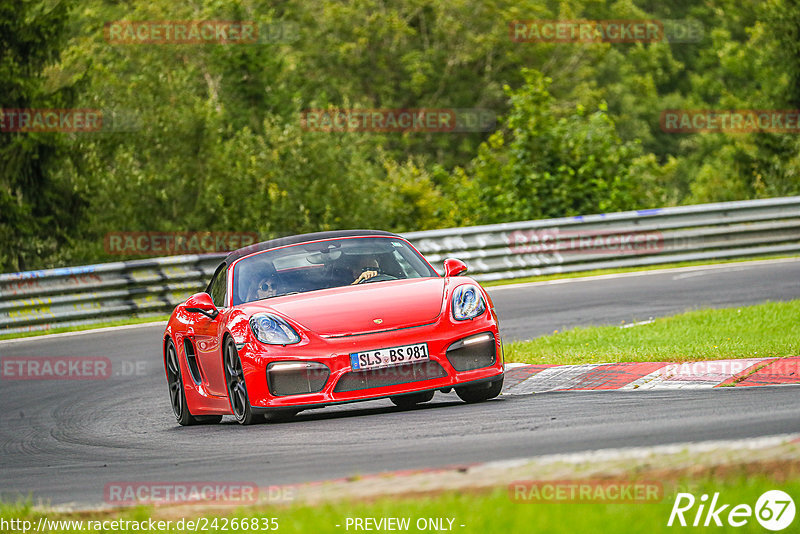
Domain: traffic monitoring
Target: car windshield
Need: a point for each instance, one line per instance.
(325, 264)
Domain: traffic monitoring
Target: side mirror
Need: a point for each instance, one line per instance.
(454, 267)
(201, 303)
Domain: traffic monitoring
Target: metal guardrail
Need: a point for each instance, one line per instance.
(38, 300)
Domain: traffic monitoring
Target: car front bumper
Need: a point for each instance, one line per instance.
(342, 384)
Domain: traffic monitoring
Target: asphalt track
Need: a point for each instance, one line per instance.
(63, 441)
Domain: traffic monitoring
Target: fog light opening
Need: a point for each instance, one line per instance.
(473, 352)
(296, 378)
(480, 338)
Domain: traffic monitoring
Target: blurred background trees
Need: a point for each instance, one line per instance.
(217, 143)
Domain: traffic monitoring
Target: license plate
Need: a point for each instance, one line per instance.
(388, 357)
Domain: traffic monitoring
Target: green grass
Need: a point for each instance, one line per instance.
(764, 330)
(120, 322)
(597, 272)
(492, 511)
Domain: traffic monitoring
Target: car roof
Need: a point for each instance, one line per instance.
(303, 238)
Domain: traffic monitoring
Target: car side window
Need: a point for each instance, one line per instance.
(217, 287)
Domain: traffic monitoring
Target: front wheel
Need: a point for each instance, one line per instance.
(237, 391)
(407, 401)
(480, 392)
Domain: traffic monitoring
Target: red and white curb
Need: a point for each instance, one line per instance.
(524, 379)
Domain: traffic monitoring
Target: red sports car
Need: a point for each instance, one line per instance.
(312, 320)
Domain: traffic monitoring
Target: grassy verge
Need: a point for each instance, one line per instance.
(764, 330)
(470, 512)
(94, 326)
(597, 272)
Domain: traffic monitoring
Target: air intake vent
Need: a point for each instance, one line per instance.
(473, 352)
(296, 378)
(191, 361)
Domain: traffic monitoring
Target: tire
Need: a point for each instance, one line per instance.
(177, 395)
(237, 390)
(480, 392)
(408, 401)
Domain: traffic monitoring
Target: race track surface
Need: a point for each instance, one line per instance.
(63, 441)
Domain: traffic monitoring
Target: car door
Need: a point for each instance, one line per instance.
(208, 336)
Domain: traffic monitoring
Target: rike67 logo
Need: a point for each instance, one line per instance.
(774, 510)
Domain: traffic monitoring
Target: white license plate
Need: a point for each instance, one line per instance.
(388, 357)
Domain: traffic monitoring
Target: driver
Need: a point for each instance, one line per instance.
(268, 287)
(365, 269)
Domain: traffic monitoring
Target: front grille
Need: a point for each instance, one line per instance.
(389, 376)
(467, 357)
(286, 378)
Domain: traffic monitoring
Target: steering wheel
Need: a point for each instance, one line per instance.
(380, 277)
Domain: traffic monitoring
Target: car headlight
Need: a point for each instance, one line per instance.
(467, 302)
(272, 330)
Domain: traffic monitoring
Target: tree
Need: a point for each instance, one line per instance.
(546, 164)
(38, 208)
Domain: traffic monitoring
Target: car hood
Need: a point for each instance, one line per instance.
(364, 308)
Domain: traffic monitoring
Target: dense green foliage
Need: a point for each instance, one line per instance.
(38, 210)
(216, 141)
